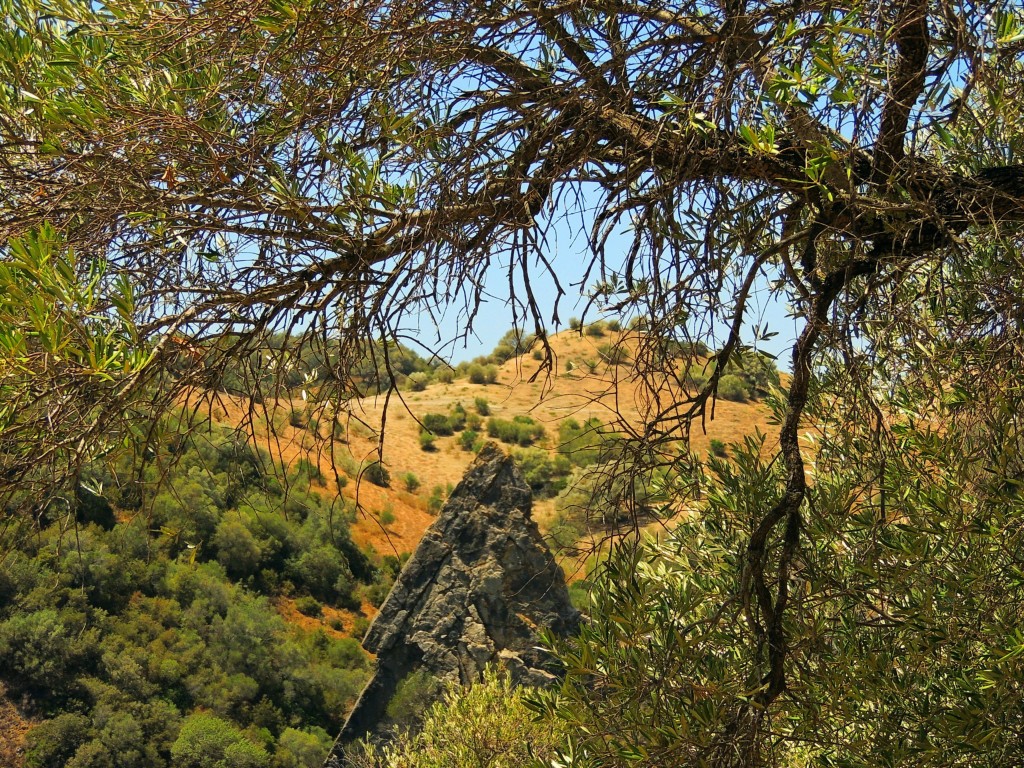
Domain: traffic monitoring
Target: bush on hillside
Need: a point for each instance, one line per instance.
(487, 725)
(377, 474)
(732, 387)
(522, 430)
(438, 424)
(418, 381)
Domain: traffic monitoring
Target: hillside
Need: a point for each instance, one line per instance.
(520, 389)
(284, 544)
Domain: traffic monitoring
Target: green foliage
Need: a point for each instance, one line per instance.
(309, 606)
(121, 633)
(718, 448)
(412, 696)
(606, 495)
(482, 406)
(237, 549)
(477, 374)
(613, 354)
(308, 470)
(438, 424)
(418, 381)
(546, 475)
(733, 387)
(436, 499)
(585, 444)
(378, 474)
(52, 743)
(696, 377)
(411, 482)
(512, 344)
(427, 441)
(487, 725)
(206, 741)
(387, 516)
(597, 330)
(469, 440)
(457, 417)
(522, 430)
(302, 748)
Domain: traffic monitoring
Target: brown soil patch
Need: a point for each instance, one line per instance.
(13, 729)
(286, 608)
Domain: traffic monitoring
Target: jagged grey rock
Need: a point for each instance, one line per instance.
(478, 589)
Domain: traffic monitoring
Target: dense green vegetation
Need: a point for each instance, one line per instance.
(144, 632)
(488, 725)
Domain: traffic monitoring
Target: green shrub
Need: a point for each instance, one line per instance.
(418, 381)
(309, 606)
(297, 418)
(522, 430)
(377, 474)
(695, 377)
(580, 595)
(436, 500)
(614, 326)
(324, 571)
(469, 441)
(613, 354)
(445, 374)
(482, 406)
(457, 418)
(565, 532)
(732, 387)
(305, 467)
(412, 696)
(438, 424)
(718, 448)
(206, 740)
(596, 329)
(545, 474)
(387, 516)
(575, 324)
(490, 374)
(487, 725)
(360, 625)
(52, 743)
(411, 482)
(427, 441)
(476, 374)
(584, 444)
(302, 749)
(237, 549)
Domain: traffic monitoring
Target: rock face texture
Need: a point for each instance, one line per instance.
(478, 589)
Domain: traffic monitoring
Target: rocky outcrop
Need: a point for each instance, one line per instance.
(478, 589)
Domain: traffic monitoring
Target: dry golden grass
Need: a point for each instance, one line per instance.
(549, 399)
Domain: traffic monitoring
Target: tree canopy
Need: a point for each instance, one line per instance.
(199, 176)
